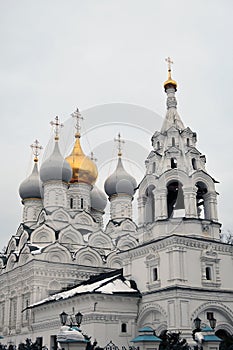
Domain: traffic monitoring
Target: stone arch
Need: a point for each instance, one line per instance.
(11, 262)
(56, 253)
(221, 312)
(151, 315)
(23, 239)
(43, 235)
(225, 327)
(146, 182)
(60, 215)
(83, 219)
(201, 176)
(24, 255)
(114, 261)
(100, 240)
(54, 287)
(128, 225)
(127, 242)
(173, 175)
(71, 237)
(89, 257)
(11, 245)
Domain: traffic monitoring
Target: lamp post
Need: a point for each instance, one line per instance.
(64, 318)
(205, 337)
(197, 323)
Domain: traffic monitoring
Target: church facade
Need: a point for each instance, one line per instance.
(163, 271)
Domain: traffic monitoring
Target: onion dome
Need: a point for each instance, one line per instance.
(55, 167)
(120, 182)
(169, 82)
(31, 187)
(83, 168)
(98, 199)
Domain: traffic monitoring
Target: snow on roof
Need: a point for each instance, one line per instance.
(113, 284)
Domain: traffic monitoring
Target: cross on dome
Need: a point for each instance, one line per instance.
(169, 82)
(120, 143)
(76, 114)
(169, 62)
(56, 125)
(36, 148)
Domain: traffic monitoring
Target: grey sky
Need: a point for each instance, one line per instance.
(56, 55)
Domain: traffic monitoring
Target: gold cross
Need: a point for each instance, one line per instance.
(36, 148)
(120, 142)
(169, 62)
(56, 125)
(76, 114)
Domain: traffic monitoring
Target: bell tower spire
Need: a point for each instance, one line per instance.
(176, 185)
(172, 117)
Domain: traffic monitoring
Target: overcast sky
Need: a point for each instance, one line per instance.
(107, 58)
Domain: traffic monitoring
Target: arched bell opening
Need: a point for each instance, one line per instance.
(150, 204)
(202, 205)
(173, 163)
(175, 200)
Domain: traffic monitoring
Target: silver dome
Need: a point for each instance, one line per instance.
(120, 182)
(31, 186)
(55, 167)
(98, 199)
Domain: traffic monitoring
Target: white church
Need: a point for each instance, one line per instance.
(162, 272)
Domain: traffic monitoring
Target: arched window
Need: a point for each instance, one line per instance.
(150, 205)
(202, 207)
(208, 273)
(155, 274)
(158, 145)
(153, 167)
(194, 163)
(81, 203)
(173, 163)
(123, 328)
(71, 203)
(173, 141)
(188, 143)
(175, 200)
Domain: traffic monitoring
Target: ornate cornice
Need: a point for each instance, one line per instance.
(162, 243)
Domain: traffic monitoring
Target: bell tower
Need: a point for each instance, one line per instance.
(177, 194)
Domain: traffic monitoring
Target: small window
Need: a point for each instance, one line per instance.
(153, 167)
(209, 315)
(71, 203)
(158, 145)
(208, 273)
(81, 203)
(123, 328)
(173, 141)
(188, 143)
(194, 163)
(155, 274)
(173, 163)
(39, 342)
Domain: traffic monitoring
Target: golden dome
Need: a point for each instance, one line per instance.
(83, 168)
(169, 80)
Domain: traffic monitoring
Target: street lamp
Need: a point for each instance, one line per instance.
(197, 323)
(64, 317)
(212, 322)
